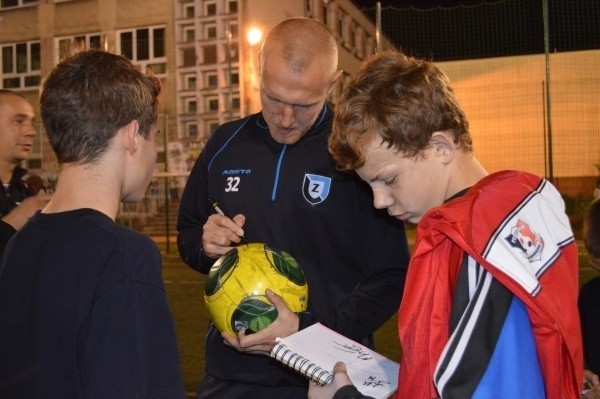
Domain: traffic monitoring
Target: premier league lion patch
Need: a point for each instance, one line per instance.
(315, 188)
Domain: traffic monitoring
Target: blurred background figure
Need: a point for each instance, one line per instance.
(18, 199)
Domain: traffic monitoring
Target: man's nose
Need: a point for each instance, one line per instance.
(28, 129)
(287, 115)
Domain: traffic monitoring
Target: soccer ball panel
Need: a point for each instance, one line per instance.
(235, 289)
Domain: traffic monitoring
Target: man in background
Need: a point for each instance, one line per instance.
(18, 200)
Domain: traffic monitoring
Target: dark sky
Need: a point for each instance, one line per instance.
(444, 30)
(422, 4)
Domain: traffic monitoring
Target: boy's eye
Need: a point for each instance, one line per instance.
(390, 181)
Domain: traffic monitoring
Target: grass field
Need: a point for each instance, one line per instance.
(185, 293)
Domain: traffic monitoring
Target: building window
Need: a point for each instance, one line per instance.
(17, 3)
(232, 6)
(210, 31)
(210, 54)
(212, 80)
(189, 34)
(191, 106)
(189, 11)
(189, 57)
(145, 47)
(21, 63)
(190, 82)
(211, 9)
(235, 103)
(64, 44)
(212, 104)
(191, 129)
(235, 78)
(158, 43)
(211, 126)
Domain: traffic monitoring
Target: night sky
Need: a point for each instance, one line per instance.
(421, 4)
(444, 30)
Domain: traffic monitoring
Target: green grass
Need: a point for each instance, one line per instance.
(185, 293)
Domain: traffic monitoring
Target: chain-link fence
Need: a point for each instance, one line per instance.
(527, 73)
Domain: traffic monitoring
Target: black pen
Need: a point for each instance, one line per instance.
(218, 209)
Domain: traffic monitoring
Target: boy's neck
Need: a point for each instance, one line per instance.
(468, 171)
(84, 187)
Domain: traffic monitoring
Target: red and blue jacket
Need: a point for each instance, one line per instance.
(490, 305)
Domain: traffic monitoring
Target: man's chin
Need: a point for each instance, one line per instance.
(286, 138)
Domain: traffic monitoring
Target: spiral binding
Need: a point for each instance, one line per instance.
(299, 363)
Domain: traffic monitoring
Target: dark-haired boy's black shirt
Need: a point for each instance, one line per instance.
(83, 312)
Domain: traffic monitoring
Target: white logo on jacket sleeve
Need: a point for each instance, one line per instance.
(530, 239)
(315, 188)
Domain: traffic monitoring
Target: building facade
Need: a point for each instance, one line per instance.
(198, 48)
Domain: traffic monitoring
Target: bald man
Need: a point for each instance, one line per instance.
(274, 177)
(18, 200)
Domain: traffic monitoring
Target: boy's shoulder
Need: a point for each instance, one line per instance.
(94, 238)
(85, 228)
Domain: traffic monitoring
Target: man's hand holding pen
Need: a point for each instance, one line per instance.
(221, 233)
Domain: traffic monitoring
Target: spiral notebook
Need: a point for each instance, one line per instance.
(315, 350)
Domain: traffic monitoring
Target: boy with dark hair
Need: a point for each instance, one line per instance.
(83, 310)
(490, 304)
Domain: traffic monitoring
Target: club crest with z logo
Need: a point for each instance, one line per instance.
(315, 188)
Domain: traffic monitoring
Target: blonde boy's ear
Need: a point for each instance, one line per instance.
(443, 143)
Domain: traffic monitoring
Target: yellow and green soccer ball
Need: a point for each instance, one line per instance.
(234, 292)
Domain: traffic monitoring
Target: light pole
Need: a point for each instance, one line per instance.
(229, 80)
(253, 37)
